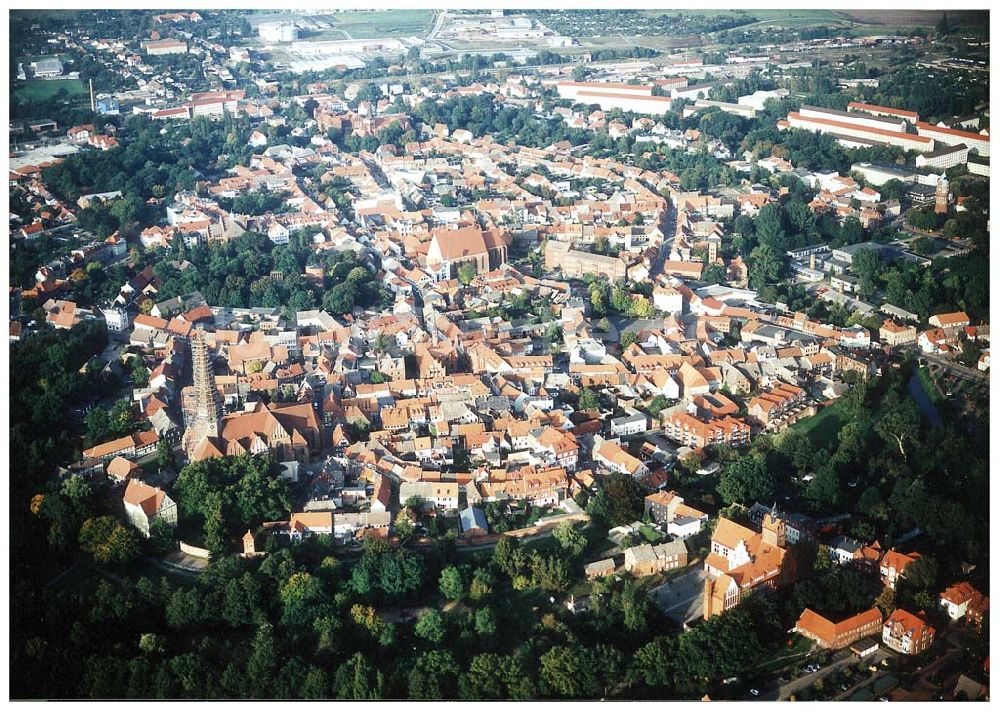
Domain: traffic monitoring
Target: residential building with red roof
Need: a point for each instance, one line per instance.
(949, 320)
(145, 504)
(687, 430)
(893, 565)
(907, 633)
(962, 600)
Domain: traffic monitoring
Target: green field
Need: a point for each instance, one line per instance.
(42, 90)
(384, 23)
(823, 427)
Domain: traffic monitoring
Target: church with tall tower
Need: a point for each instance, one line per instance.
(203, 405)
(743, 561)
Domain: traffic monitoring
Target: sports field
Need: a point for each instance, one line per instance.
(382, 23)
(42, 89)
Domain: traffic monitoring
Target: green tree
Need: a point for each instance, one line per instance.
(466, 273)
(943, 27)
(430, 626)
(302, 599)
(899, 426)
(108, 541)
(619, 501)
(653, 662)
(358, 679)
(569, 672)
(550, 573)
(161, 536)
(164, 455)
(570, 540)
(452, 583)
(766, 266)
(434, 676)
(588, 400)
(746, 480)
(507, 555)
(485, 622)
(403, 526)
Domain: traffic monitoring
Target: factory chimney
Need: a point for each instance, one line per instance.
(93, 106)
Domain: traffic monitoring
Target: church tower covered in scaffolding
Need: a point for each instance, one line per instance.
(204, 411)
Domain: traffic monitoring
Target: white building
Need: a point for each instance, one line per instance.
(944, 157)
(115, 317)
(759, 98)
(145, 504)
(443, 495)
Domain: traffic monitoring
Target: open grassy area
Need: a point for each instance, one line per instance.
(42, 89)
(650, 534)
(823, 427)
(383, 23)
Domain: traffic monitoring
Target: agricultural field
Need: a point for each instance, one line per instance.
(42, 89)
(662, 43)
(918, 18)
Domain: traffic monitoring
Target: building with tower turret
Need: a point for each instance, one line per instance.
(743, 561)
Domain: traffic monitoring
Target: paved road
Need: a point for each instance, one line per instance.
(438, 24)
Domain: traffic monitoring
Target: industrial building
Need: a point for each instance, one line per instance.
(854, 118)
(977, 143)
(47, 68)
(829, 122)
(759, 98)
(911, 117)
(747, 112)
(167, 46)
(944, 157)
(572, 90)
(108, 106)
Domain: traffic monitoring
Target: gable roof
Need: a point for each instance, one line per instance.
(828, 631)
(139, 494)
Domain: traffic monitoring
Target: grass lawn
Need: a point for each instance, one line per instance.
(783, 657)
(823, 427)
(650, 534)
(42, 89)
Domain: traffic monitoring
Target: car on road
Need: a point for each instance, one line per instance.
(754, 691)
